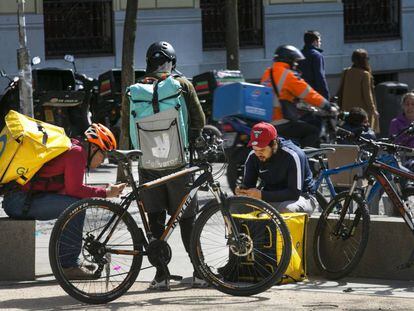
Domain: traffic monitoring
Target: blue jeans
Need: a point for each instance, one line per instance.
(48, 206)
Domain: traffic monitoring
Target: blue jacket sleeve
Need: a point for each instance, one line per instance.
(321, 85)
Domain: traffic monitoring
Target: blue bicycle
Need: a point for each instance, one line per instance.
(323, 173)
(324, 176)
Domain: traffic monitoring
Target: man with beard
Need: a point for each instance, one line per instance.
(283, 169)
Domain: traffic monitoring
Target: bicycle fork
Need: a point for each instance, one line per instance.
(344, 210)
(232, 229)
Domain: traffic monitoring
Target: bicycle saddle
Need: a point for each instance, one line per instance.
(125, 155)
(312, 152)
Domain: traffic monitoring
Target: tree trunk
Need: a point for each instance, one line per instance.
(232, 35)
(24, 65)
(128, 73)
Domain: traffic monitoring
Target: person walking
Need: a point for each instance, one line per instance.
(357, 88)
(313, 66)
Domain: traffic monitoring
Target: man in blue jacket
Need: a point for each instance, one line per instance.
(313, 66)
(286, 179)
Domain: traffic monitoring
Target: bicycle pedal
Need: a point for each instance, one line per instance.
(176, 277)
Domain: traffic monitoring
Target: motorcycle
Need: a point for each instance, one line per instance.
(58, 98)
(10, 100)
(107, 107)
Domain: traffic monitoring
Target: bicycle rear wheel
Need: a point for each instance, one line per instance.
(339, 244)
(114, 260)
(247, 264)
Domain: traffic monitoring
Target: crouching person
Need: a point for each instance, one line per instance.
(286, 178)
(59, 183)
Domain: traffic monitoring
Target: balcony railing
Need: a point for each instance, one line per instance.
(78, 27)
(371, 19)
(250, 14)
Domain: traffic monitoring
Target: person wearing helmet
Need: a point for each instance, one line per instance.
(286, 178)
(289, 89)
(58, 184)
(161, 62)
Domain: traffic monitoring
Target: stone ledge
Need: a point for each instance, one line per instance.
(17, 245)
(390, 244)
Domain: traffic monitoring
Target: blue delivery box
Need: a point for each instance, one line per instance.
(253, 101)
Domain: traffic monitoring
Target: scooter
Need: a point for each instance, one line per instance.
(10, 100)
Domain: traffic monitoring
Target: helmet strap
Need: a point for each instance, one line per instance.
(90, 156)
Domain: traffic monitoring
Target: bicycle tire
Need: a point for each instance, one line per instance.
(74, 287)
(326, 243)
(228, 275)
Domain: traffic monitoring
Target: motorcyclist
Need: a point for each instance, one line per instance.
(289, 88)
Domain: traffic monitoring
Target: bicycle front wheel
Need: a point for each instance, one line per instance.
(104, 242)
(340, 242)
(245, 263)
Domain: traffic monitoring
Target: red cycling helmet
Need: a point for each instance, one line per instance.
(101, 136)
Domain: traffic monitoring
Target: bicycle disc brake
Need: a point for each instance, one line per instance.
(243, 246)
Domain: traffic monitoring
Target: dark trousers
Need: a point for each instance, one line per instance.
(166, 198)
(307, 135)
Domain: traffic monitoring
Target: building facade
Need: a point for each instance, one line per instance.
(92, 31)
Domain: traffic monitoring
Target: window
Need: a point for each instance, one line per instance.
(78, 27)
(250, 13)
(371, 19)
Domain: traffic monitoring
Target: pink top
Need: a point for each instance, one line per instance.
(72, 165)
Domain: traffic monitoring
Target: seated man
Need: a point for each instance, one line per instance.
(357, 122)
(59, 183)
(283, 169)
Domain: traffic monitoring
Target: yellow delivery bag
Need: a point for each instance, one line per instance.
(271, 251)
(26, 144)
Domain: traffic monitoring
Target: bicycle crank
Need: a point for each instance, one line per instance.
(159, 253)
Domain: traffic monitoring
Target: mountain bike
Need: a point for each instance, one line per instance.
(341, 234)
(114, 244)
(322, 174)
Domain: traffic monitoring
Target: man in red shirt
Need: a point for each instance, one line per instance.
(59, 183)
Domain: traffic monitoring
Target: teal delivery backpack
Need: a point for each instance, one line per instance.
(159, 123)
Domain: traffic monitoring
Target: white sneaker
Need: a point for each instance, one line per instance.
(163, 285)
(199, 283)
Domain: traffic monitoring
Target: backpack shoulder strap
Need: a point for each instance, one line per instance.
(273, 82)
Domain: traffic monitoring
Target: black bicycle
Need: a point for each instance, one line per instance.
(341, 235)
(230, 258)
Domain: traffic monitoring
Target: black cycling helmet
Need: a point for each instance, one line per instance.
(288, 54)
(158, 53)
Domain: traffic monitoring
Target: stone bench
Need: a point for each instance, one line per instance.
(390, 244)
(17, 249)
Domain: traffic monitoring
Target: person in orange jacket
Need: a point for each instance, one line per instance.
(289, 88)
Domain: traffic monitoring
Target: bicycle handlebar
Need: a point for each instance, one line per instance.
(389, 147)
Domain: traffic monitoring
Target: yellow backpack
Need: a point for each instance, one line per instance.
(26, 144)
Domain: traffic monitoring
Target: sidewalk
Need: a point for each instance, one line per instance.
(348, 294)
